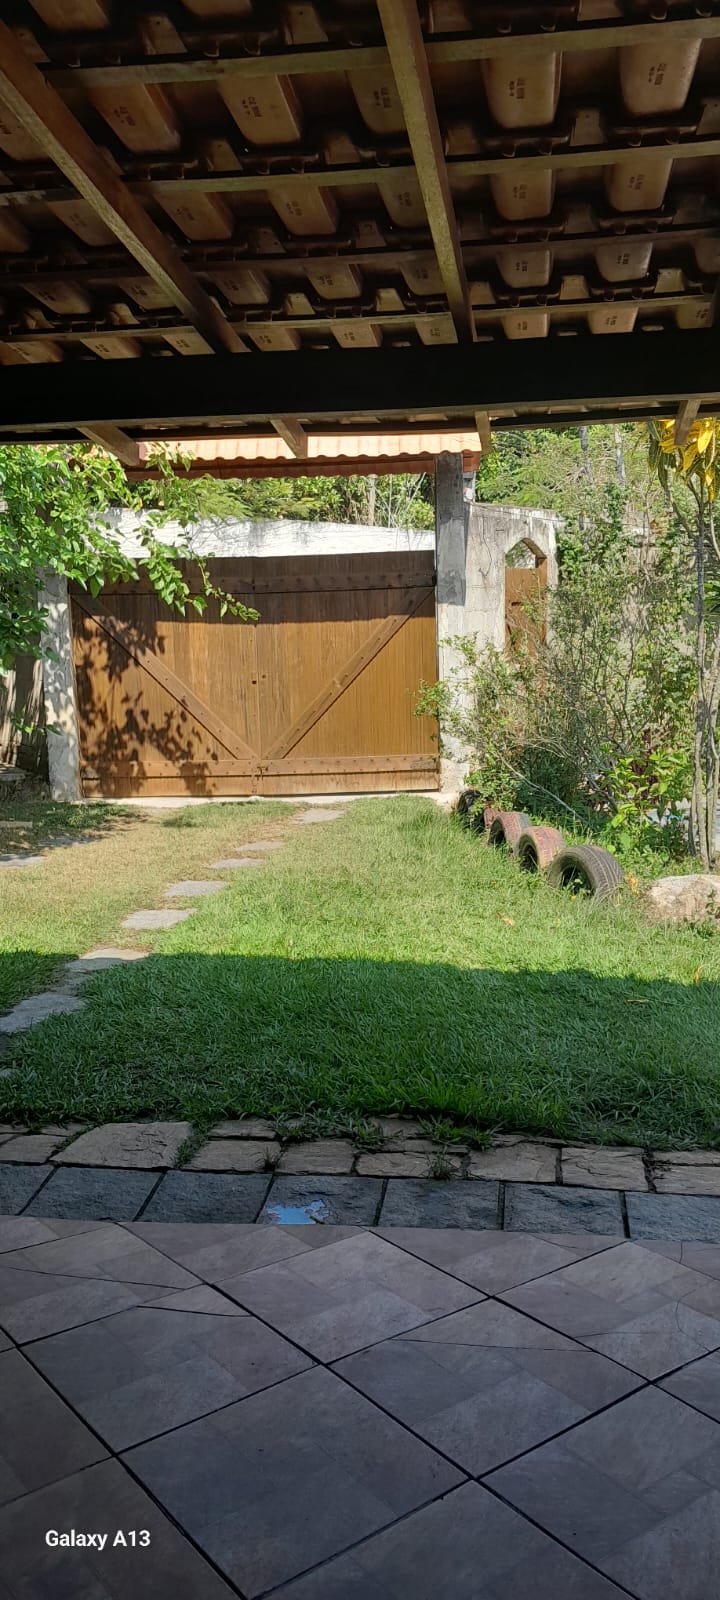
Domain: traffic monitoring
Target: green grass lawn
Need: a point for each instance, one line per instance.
(77, 897)
(387, 962)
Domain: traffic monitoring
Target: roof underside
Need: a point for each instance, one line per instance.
(404, 218)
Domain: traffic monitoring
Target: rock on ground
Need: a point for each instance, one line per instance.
(690, 898)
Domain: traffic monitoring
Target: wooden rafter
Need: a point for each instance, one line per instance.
(116, 442)
(401, 25)
(152, 328)
(36, 269)
(294, 436)
(297, 182)
(482, 423)
(686, 416)
(190, 68)
(46, 118)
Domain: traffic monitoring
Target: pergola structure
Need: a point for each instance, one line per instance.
(404, 218)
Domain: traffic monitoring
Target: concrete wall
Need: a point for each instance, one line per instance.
(473, 542)
(285, 538)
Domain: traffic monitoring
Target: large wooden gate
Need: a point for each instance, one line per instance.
(317, 695)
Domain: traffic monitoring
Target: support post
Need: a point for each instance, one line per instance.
(63, 739)
(451, 520)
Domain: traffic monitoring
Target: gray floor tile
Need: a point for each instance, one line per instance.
(467, 1546)
(105, 1252)
(18, 1184)
(96, 1193)
(701, 1257)
(300, 1201)
(674, 1216)
(351, 1294)
(40, 1440)
(35, 1304)
(634, 1491)
(485, 1384)
(547, 1208)
(150, 1369)
(490, 1261)
(642, 1309)
(221, 1250)
(698, 1384)
(207, 1197)
(16, 1233)
(279, 1482)
(103, 1499)
(423, 1203)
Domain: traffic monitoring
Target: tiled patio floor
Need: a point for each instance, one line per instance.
(338, 1413)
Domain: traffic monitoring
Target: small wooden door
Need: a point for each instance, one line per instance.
(317, 695)
(524, 585)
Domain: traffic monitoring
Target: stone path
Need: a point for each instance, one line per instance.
(345, 1413)
(63, 999)
(247, 1171)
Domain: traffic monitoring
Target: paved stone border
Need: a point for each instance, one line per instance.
(393, 1148)
(121, 1195)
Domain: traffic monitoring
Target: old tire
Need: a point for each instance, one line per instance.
(465, 802)
(586, 867)
(537, 847)
(507, 828)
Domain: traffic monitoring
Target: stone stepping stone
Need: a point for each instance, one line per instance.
(191, 887)
(21, 861)
(232, 862)
(326, 815)
(101, 960)
(37, 1007)
(156, 919)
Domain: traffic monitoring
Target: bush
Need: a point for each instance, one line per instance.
(592, 723)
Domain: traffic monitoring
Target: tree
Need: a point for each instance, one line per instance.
(398, 500)
(53, 505)
(568, 470)
(690, 475)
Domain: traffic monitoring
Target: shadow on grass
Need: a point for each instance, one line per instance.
(49, 825)
(568, 1054)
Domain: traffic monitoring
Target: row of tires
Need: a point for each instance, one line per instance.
(582, 868)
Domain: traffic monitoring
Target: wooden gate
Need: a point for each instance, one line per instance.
(317, 695)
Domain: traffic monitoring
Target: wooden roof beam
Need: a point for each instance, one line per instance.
(482, 423)
(685, 417)
(349, 58)
(293, 435)
(46, 117)
(116, 442)
(651, 374)
(403, 33)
